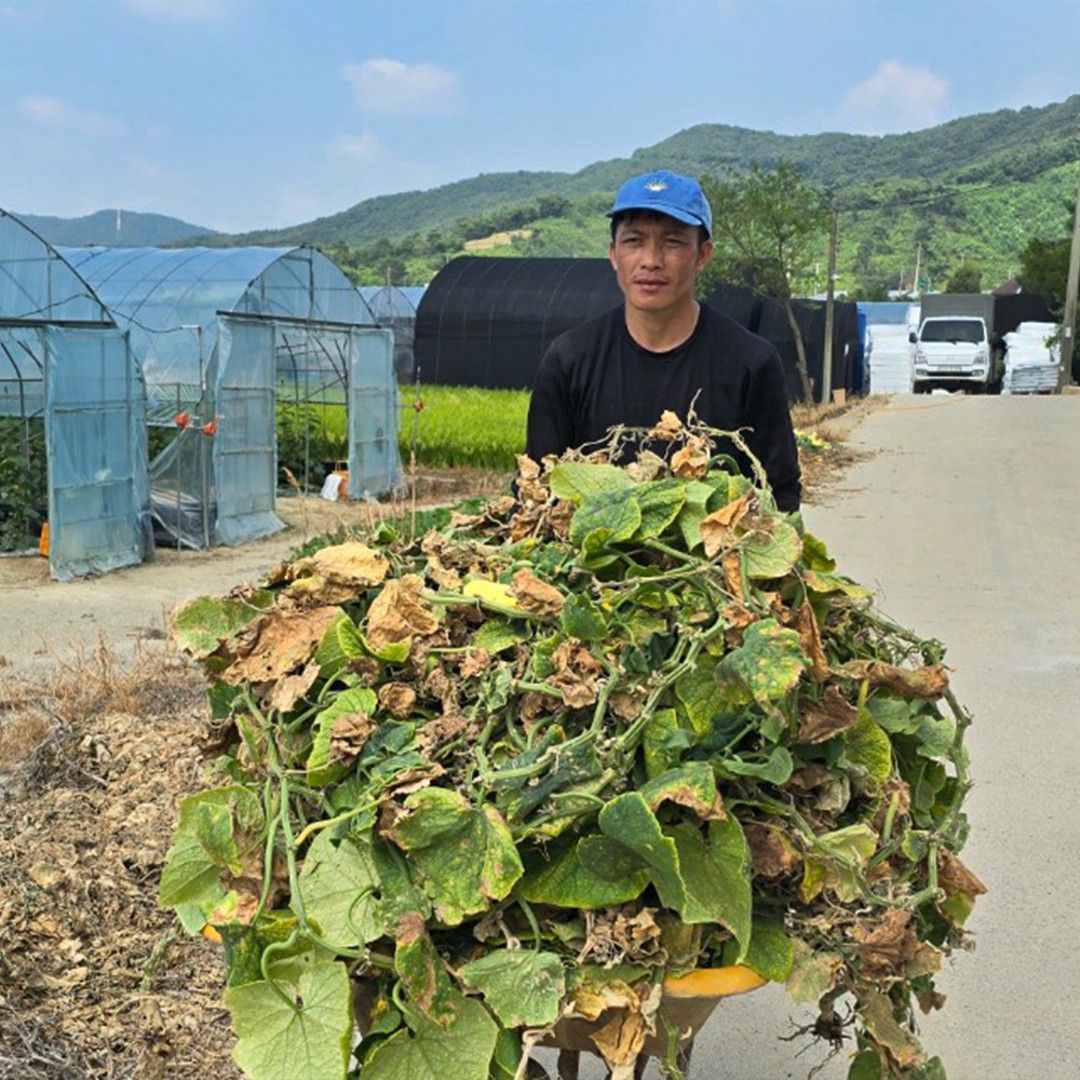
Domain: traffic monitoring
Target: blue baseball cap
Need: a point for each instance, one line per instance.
(668, 193)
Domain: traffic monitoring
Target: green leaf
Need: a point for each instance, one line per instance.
(768, 663)
(692, 785)
(393, 652)
(465, 857)
(604, 519)
(504, 1065)
(582, 619)
(830, 583)
(578, 481)
(815, 555)
(322, 769)
(775, 769)
(812, 973)
(660, 502)
(896, 715)
(337, 885)
(399, 894)
(340, 644)
(657, 742)
(865, 1065)
(422, 972)
(310, 1041)
(868, 750)
(205, 844)
(935, 735)
(202, 624)
(522, 987)
(628, 820)
(608, 859)
(496, 635)
(771, 951)
(716, 876)
(462, 1051)
(699, 693)
(557, 877)
(838, 855)
(772, 556)
(693, 512)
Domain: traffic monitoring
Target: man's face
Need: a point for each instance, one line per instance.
(656, 260)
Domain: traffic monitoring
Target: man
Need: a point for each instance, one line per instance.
(662, 349)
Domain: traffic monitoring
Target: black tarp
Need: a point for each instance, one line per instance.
(486, 321)
(769, 319)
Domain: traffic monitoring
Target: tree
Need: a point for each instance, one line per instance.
(966, 278)
(1044, 269)
(769, 227)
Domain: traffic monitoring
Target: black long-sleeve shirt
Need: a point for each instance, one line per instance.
(596, 376)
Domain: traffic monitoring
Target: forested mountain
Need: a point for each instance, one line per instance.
(1003, 147)
(113, 228)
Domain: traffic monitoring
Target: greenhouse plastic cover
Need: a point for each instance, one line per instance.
(36, 283)
(162, 294)
(96, 434)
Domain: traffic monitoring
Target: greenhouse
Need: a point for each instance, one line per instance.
(253, 358)
(394, 307)
(72, 426)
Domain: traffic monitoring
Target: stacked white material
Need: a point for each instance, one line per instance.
(890, 359)
(1031, 365)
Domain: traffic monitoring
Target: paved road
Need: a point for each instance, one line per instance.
(967, 520)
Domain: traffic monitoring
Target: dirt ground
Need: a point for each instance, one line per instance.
(103, 730)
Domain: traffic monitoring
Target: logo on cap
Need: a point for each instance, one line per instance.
(656, 185)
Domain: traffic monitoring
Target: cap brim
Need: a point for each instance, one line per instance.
(660, 208)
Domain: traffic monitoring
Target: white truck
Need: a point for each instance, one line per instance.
(957, 352)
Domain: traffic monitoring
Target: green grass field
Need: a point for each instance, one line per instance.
(458, 427)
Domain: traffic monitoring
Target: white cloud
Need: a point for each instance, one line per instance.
(57, 115)
(390, 86)
(181, 10)
(362, 147)
(894, 98)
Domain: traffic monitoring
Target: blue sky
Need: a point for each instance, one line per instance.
(239, 114)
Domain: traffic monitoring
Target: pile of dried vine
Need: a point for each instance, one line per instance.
(528, 765)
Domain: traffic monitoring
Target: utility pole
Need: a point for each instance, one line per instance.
(830, 286)
(1067, 329)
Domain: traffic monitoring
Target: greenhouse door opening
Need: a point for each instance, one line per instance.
(95, 430)
(242, 435)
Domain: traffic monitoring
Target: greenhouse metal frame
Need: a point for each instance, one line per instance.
(72, 424)
(395, 307)
(235, 344)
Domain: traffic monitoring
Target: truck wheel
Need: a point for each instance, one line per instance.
(921, 388)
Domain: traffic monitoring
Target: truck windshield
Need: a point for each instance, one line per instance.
(970, 330)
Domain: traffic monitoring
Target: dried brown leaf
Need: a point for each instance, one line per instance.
(667, 428)
(924, 683)
(954, 877)
(576, 675)
(289, 691)
(771, 849)
(886, 945)
(348, 735)
(691, 461)
(397, 698)
(535, 595)
(277, 643)
(805, 622)
(399, 614)
(718, 528)
(825, 719)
